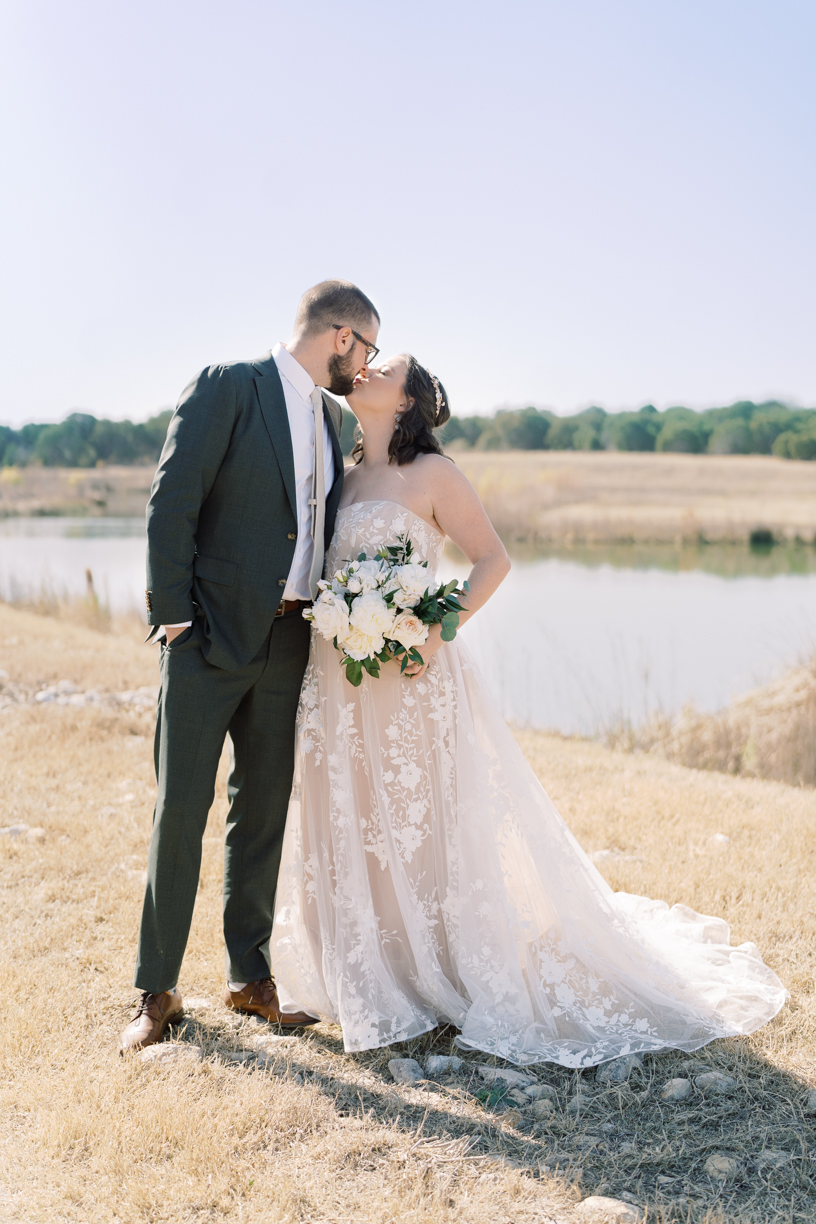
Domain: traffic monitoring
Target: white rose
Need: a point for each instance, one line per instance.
(413, 580)
(354, 585)
(330, 616)
(359, 645)
(371, 614)
(370, 575)
(408, 630)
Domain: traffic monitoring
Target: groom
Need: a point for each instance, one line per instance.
(240, 514)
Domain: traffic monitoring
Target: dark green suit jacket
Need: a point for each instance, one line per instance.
(222, 515)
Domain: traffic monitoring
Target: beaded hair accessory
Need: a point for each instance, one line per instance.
(438, 393)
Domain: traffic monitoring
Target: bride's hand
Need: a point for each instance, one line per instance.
(428, 649)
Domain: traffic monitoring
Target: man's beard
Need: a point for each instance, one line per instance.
(341, 374)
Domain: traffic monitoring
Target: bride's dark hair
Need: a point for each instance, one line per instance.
(427, 409)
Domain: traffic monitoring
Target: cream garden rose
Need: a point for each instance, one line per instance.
(358, 645)
(408, 630)
(371, 614)
(330, 615)
(412, 583)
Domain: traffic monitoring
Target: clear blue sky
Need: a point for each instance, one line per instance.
(558, 202)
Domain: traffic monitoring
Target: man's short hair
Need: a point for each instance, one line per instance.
(334, 301)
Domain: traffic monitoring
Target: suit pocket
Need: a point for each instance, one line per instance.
(211, 569)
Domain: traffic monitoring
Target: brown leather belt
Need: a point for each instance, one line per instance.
(291, 605)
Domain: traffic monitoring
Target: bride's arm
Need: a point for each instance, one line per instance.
(461, 515)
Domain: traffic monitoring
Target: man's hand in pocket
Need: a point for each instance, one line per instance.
(173, 631)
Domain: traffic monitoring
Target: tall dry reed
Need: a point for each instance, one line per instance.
(769, 733)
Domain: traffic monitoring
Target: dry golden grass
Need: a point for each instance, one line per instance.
(75, 491)
(604, 497)
(768, 733)
(316, 1134)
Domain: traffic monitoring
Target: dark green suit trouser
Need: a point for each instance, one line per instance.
(198, 706)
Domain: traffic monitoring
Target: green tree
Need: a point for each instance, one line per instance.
(730, 438)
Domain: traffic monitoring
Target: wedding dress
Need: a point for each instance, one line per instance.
(427, 879)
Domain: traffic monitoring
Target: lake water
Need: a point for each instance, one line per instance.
(573, 643)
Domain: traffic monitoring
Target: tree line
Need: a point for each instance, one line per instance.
(744, 428)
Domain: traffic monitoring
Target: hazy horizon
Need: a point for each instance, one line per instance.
(551, 203)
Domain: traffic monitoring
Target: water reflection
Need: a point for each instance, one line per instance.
(575, 639)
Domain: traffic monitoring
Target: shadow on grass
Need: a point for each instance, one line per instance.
(624, 1141)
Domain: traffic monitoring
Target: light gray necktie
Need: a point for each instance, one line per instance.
(318, 499)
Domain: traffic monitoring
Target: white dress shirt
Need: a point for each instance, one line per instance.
(297, 388)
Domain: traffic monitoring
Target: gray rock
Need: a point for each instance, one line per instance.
(676, 1090)
(544, 1108)
(442, 1064)
(504, 1076)
(15, 830)
(810, 1102)
(693, 1066)
(171, 1052)
(519, 1097)
(619, 1070)
(406, 1070)
(769, 1158)
(537, 1091)
(715, 1082)
(581, 1100)
(722, 1168)
(602, 1209)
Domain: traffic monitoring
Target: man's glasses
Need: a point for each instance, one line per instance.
(371, 349)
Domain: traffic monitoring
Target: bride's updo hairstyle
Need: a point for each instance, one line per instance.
(427, 410)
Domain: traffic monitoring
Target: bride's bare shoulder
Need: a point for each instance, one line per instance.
(439, 472)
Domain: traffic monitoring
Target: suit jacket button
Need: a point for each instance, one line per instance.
(292, 535)
(281, 582)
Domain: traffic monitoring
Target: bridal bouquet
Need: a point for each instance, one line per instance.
(381, 608)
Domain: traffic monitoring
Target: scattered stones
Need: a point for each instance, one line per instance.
(715, 1082)
(168, 1052)
(721, 1168)
(581, 1100)
(619, 1070)
(442, 1064)
(504, 1076)
(810, 1102)
(676, 1090)
(719, 841)
(520, 1098)
(536, 1091)
(406, 1070)
(544, 1108)
(692, 1066)
(602, 1209)
(23, 830)
(511, 1117)
(197, 1004)
(772, 1159)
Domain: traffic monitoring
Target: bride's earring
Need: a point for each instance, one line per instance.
(397, 417)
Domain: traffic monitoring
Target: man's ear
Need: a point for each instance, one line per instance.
(343, 339)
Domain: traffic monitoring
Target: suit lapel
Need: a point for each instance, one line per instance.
(276, 419)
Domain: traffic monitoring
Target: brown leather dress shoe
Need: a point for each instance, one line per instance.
(153, 1016)
(261, 999)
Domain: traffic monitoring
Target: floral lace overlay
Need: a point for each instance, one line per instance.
(427, 878)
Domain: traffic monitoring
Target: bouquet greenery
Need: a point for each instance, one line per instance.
(380, 608)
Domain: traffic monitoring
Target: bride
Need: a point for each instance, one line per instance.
(426, 877)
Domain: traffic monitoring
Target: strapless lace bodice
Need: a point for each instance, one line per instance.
(365, 526)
